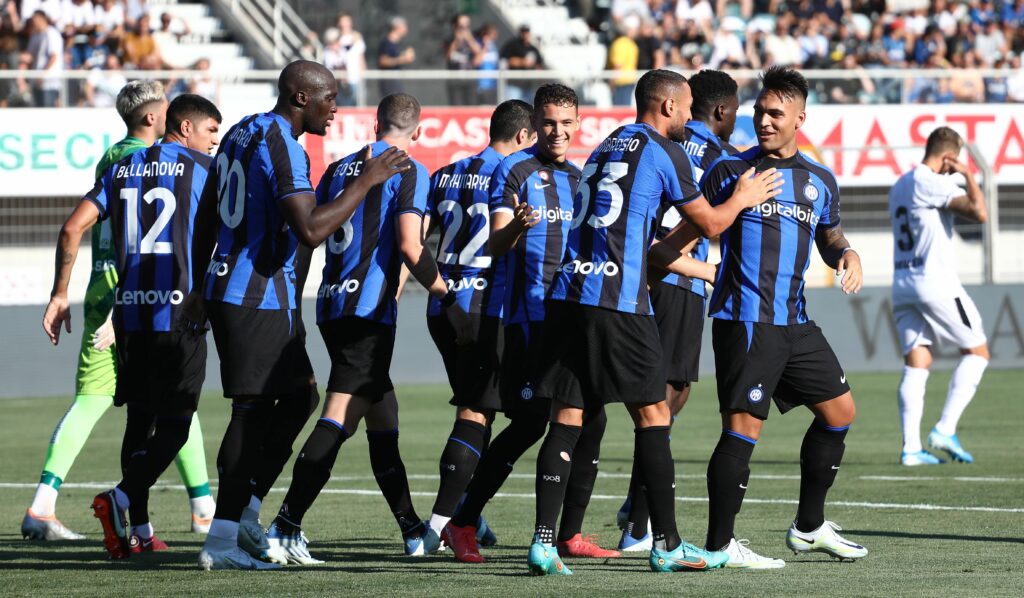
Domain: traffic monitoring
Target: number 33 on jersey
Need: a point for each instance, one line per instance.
(625, 182)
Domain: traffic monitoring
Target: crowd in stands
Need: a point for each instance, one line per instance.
(107, 38)
(850, 35)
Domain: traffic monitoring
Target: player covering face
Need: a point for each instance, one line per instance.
(260, 211)
(161, 365)
(766, 347)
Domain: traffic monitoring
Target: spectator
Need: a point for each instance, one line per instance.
(1013, 13)
(996, 88)
(352, 60)
(697, 10)
(110, 21)
(487, 60)
(944, 18)
(813, 46)
(139, 44)
(167, 38)
(20, 93)
(1015, 82)
(133, 11)
(104, 83)
(79, 20)
(519, 54)
(623, 56)
(10, 42)
(393, 56)
(623, 8)
(966, 84)
(52, 8)
(46, 49)
(782, 46)
(726, 46)
(95, 54)
(461, 50)
(651, 55)
(896, 46)
(204, 84)
(990, 42)
(852, 90)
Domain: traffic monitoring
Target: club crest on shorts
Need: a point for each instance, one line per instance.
(526, 393)
(811, 192)
(755, 394)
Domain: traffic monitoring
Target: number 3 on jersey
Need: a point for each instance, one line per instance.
(230, 215)
(611, 172)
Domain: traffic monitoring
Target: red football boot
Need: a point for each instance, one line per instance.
(114, 522)
(585, 546)
(151, 544)
(462, 541)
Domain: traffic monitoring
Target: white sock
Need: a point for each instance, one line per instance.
(144, 531)
(121, 498)
(965, 381)
(911, 395)
(437, 522)
(223, 535)
(44, 504)
(203, 507)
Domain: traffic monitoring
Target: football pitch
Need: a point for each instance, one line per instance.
(952, 530)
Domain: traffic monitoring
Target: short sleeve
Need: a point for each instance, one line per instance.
(942, 191)
(98, 195)
(677, 175)
(830, 211)
(289, 165)
(323, 188)
(503, 187)
(413, 187)
(432, 192)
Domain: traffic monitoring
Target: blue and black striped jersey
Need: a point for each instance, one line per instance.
(259, 164)
(628, 181)
(767, 250)
(363, 263)
(150, 199)
(703, 147)
(459, 202)
(549, 187)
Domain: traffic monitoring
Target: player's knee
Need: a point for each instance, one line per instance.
(981, 351)
(469, 414)
(650, 414)
(742, 423)
(918, 357)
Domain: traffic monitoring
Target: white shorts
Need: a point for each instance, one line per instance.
(953, 320)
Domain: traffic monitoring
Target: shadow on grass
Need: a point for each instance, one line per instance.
(916, 536)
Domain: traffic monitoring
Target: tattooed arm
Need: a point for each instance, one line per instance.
(836, 252)
(58, 311)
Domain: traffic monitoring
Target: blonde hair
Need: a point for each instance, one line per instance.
(135, 96)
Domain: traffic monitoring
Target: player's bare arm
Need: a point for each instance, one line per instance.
(58, 312)
(403, 273)
(663, 256)
(751, 189)
(836, 251)
(312, 223)
(423, 268)
(507, 228)
(971, 206)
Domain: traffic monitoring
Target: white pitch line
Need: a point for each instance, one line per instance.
(909, 478)
(763, 501)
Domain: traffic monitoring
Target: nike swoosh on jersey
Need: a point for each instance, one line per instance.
(538, 186)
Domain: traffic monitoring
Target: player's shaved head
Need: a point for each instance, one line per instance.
(656, 86)
(510, 117)
(941, 141)
(303, 76)
(398, 115)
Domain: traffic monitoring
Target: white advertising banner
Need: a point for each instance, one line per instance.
(50, 152)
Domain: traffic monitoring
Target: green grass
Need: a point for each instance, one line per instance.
(914, 551)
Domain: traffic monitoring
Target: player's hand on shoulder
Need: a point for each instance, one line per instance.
(851, 270)
(57, 313)
(390, 162)
(192, 317)
(758, 187)
(103, 338)
(523, 214)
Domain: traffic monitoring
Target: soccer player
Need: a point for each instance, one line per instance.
(677, 300)
(765, 345)
(142, 106)
(531, 208)
(259, 208)
(929, 303)
(150, 198)
(356, 314)
(459, 205)
(602, 340)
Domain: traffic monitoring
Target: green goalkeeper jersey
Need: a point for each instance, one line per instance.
(97, 370)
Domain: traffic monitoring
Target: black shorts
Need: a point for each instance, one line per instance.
(472, 368)
(679, 314)
(520, 368)
(794, 365)
(262, 351)
(164, 370)
(360, 351)
(596, 356)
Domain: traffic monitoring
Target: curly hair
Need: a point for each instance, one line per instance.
(556, 94)
(710, 88)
